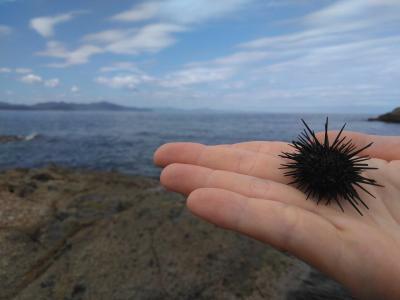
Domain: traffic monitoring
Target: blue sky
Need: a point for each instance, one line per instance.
(248, 55)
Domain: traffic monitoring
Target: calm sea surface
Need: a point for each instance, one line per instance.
(125, 141)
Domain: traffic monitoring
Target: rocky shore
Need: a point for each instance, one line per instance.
(74, 234)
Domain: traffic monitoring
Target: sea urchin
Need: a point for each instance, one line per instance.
(327, 171)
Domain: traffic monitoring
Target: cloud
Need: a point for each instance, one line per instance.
(54, 82)
(125, 81)
(36, 79)
(78, 56)
(45, 25)
(141, 12)
(346, 9)
(120, 66)
(243, 57)
(196, 75)
(75, 89)
(5, 70)
(180, 11)
(109, 36)
(23, 70)
(17, 70)
(173, 17)
(31, 79)
(150, 38)
(5, 30)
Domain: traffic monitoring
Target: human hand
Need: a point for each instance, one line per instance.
(240, 187)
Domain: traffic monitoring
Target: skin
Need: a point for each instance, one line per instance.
(241, 188)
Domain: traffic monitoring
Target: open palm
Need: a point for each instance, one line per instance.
(240, 187)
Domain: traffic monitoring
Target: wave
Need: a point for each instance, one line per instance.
(18, 138)
(31, 136)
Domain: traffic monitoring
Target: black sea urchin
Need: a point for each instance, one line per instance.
(328, 171)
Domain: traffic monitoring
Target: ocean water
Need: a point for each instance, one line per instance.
(125, 141)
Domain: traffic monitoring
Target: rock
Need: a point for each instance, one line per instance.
(391, 117)
(317, 286)
(42, 177)
(112, 236)
(10, 138)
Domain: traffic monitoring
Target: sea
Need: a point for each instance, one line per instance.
(126, 141)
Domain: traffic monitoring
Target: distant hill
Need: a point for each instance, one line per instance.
(390, 117)
(65, 106)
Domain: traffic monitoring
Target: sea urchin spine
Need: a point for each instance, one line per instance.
(327, 171)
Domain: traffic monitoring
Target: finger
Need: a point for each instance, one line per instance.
(184, 179)
(266, 147)
(222, 158)
(287, 227)
(383, 147)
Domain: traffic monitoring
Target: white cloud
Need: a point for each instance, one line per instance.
(23, 70)
(78, 56)
(5, 70)
(125, 81)
(109, 36)
(346, 9)
(180, 11)
(36, 79)
(335, 39)
(54, 82)
(242, 57)
(31, 79)
(173, 16)
(75, 89)
(45, 25)
(196, 75)
(150, 38)
(5, 30)
(120, 66)
(141, 12)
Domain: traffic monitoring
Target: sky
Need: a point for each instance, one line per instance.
(244, 55)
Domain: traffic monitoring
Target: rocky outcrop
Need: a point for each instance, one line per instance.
(10, 138)
(87, 235)
(391, 117)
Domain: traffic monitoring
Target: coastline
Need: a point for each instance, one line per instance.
(80, 234)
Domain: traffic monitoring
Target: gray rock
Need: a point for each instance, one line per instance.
(92, 235)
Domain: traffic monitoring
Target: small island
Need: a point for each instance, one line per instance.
(390, 117)
(66, 106)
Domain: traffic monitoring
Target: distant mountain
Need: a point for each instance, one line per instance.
(65, 106)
